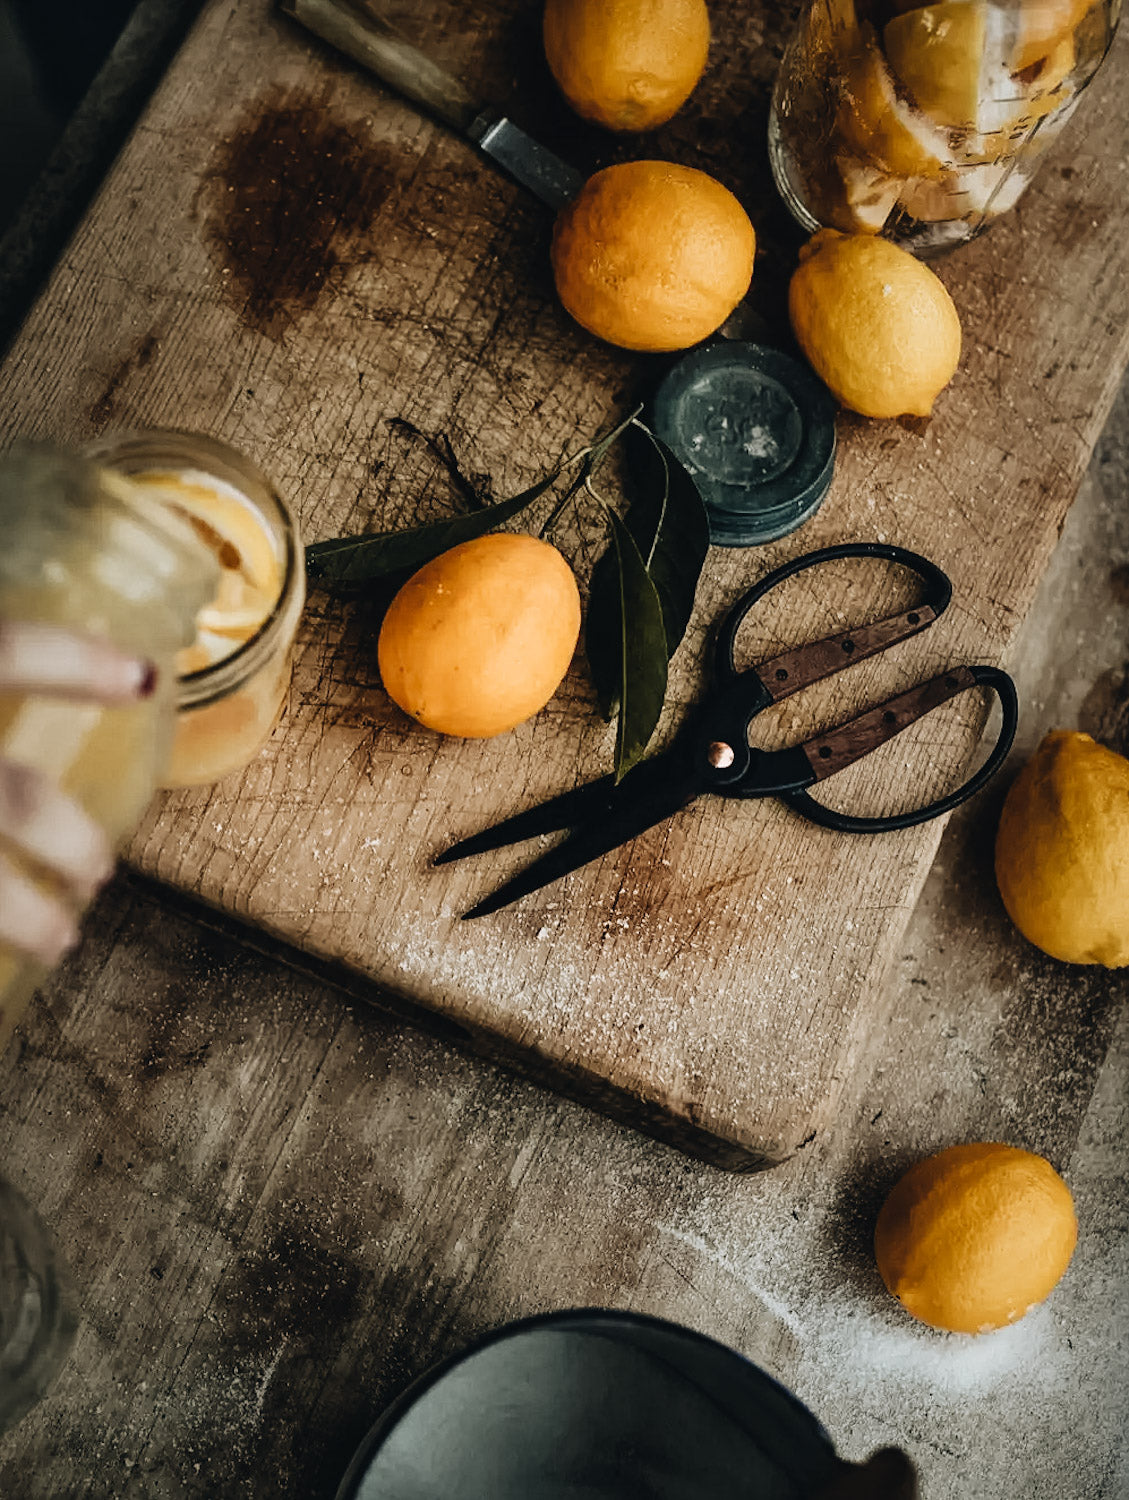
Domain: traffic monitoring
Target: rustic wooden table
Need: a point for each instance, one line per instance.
(280, 1206)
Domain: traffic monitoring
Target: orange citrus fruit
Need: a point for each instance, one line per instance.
(877, 326)
(972, 1238)
(1062, 851)
(652, 256)
(479, 639)
(626, 64)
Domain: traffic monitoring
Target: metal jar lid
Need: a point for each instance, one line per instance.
(755, 428)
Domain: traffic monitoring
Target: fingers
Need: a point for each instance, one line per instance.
(30, 920)
(38, 819)
(48, 659)
(39, 822)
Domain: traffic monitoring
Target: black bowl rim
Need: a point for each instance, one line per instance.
(577, 1319)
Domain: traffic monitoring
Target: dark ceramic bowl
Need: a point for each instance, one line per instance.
(593, 1405)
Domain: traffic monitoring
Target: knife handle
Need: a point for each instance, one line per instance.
(357, 28)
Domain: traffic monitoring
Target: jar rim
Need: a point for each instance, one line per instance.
(205, 685)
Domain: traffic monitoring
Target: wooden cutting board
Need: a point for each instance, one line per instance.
(289, 258)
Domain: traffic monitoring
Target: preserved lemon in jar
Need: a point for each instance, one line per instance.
(924, 123)
(233, 676)
(83, 550)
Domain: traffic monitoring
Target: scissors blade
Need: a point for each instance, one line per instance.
(648, 795)
(563, 811)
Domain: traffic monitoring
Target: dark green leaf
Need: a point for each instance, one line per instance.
(668, 523)
(642, 684)
(351, 560)
(603, 631)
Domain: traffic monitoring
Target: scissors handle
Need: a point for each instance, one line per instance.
(793, 670)
(828, 753)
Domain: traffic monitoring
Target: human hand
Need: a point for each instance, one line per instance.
(39, 823)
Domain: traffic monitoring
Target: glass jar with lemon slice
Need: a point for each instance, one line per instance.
(924, 123)
(234, 675)
(174, 547)
(84, 550)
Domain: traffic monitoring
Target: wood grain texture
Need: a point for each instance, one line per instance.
(288, 258)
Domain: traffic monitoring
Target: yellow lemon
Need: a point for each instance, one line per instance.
(879, 127)
(877, 326)
(937, 51)
(626, 64)
(972, 1238)
(479, 638)
(1062, 851)
(651, 255)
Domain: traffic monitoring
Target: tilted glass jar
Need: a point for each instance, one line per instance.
(924, 123)
(234, 679)
(82, 549)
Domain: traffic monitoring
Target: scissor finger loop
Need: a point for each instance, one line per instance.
(802, 666)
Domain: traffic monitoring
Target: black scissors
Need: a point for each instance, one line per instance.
(713, 753)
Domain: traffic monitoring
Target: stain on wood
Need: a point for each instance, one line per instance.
(296, 192)
(1104, 713)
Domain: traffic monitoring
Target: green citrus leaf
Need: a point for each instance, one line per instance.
(642, 650)
(668, 523)
(351, 560)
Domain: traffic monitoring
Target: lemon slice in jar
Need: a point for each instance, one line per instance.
(1041, 26)
(937, 53)
(250, 563)
(870, 196)
(881, 128)
(983, 70)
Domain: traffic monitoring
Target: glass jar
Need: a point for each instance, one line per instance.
(923, 124)
(82, 550)
(38, 1312)
(233, 679)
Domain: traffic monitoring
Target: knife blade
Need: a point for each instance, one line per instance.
(362, 32)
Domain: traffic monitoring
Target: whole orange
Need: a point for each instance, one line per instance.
(653, 256)
(479, 639)
(626, 64)
(972, 1238)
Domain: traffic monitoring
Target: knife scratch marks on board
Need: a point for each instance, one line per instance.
(293, 196)
(106, 405)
